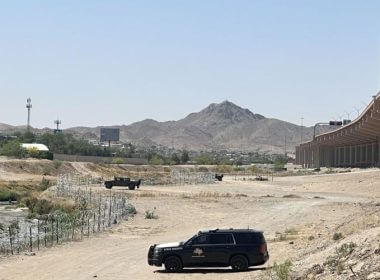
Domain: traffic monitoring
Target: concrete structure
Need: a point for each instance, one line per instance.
(353, 145)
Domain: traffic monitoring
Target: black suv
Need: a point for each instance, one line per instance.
(238, 248)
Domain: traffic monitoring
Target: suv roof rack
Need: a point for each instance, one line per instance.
(229, 230)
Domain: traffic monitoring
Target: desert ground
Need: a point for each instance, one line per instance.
(299, 216)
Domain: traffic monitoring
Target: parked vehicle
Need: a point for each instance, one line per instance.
(219, 177)
(124, 182)
(238, 248)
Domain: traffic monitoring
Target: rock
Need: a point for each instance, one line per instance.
(358, 267)
(374, 275)
(318, 269)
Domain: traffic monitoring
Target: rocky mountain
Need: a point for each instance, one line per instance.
(219, 126)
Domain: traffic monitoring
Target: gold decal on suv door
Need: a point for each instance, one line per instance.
(198, 253)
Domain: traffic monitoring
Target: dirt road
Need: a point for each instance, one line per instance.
(310, 206)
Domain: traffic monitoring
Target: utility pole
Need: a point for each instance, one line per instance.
(302, 130)
(28, 106)
(285, 144)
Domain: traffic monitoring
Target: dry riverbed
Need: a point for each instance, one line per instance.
(299, 216)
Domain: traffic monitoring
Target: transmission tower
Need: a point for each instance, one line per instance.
(57, 122)
(28, 106)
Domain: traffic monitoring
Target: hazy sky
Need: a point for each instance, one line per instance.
(116, 62)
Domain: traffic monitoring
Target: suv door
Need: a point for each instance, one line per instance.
(196, 253)
(220, 249)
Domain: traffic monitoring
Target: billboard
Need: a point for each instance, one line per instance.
(109, 134)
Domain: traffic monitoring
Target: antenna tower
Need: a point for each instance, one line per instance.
(28, 106)
(57, 123)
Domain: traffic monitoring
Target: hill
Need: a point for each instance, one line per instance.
(223, 126)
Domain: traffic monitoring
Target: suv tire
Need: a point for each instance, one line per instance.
(239, 263)
(173, 264)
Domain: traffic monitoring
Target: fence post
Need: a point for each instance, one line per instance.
(45, 229)
(30, 239)
(73, 229)
(82, 222)
(88, 226)
(52, 232)
(93, 224)
(99, 211)
(10, 239)
(110, 210)
(38, 235)
(18, 238)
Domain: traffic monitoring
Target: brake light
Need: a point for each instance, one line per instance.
(263, 248)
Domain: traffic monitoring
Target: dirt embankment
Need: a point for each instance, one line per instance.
(27, 173)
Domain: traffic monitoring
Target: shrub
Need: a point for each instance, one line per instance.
(44, 185)
(254, 169)
(40, 206)
(281, 271)
(12, 149)
(57, 164)
(33, 152)
(238, 168)
(203, 169)
(130, 209)
(203, 160)
(8, 196)
(155, 160)
(346, 249)
(150, 214)
(337, 236)
(117, 160)
(224, 169)
(337, 263)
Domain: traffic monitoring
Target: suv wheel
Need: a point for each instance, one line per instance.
(239, 263)
(173, 264)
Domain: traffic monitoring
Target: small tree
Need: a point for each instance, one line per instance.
(155, 160)
(12, 149)
(185, 156)
(175, 159)
(203, 160)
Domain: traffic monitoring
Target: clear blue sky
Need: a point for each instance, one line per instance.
(115, 62)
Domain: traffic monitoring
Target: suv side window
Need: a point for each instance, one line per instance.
(248, 238)
(200, 240)
(221, 239)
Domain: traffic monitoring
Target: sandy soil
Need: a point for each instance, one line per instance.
(318, 206)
